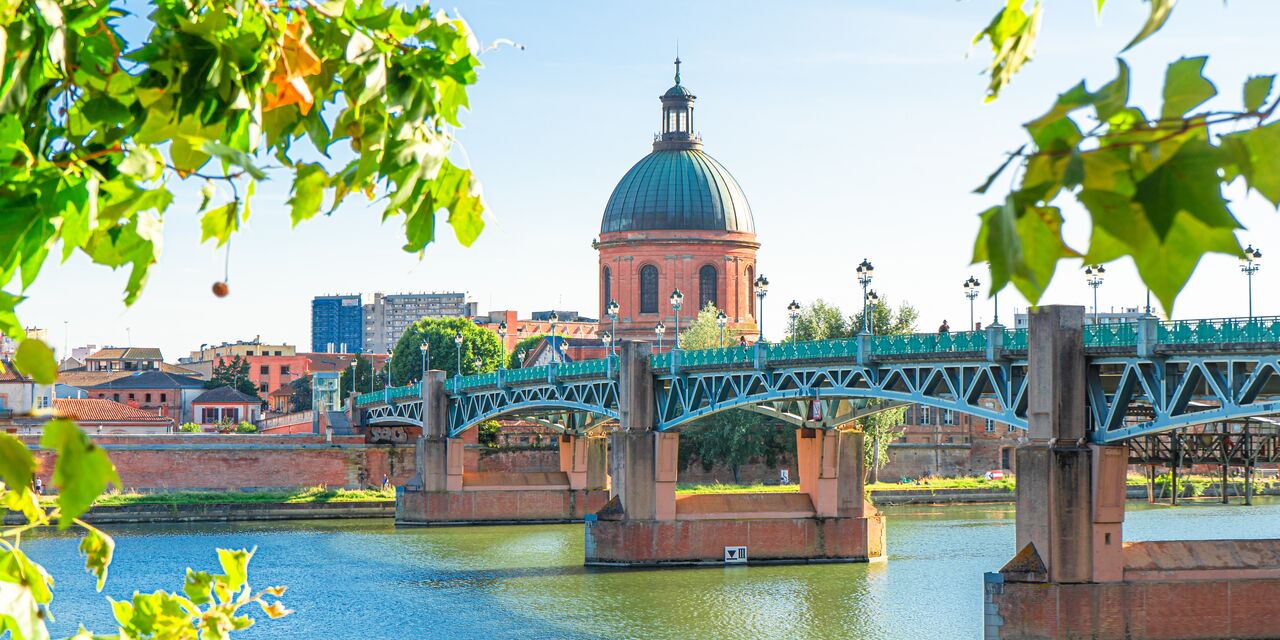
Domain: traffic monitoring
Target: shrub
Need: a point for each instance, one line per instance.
(246, 427)
(189, 427)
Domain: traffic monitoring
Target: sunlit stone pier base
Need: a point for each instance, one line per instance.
(445, 493)
(1073, 576)
(646, 524)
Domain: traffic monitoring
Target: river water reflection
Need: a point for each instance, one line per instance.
(368, 579)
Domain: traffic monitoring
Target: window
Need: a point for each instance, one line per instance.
(116, 397)
(131, 397)
(43, 402)
(264, 370)
(262, 387)
(706, 287)
(284, 369)
(948, 417)
(164, 397)
(925, 418)
(751, 294)
(648, 289)
(249, 352)
(147, 398)
(990, 425)
(607, 276)
(231, 415)
(277, 353)
(208, 415)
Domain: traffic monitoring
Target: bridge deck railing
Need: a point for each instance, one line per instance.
(1220, 330)
(1257, 330)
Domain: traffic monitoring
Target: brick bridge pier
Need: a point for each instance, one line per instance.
(646, 524)
(1073, 576)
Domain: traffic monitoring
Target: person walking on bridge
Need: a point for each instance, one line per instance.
(944, 327)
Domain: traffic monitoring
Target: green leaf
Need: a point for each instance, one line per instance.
(1189, 182)
(232, 156)
(1012, 34)
(81, 472)
(35, 359)
(1160, 10)
(1256, 91)
(1165, 263)
(198, 586)
(235, 567)
(17, 465)
(308, 192)
(97, 548)
(220, 222)
(1023, 243)
(1257, 156)
(20, 614)
(1185, 87)
(185, 153)
(17, 568)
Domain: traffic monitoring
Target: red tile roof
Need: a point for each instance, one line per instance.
(102, 410)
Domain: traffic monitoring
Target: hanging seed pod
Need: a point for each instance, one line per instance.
(220, 289)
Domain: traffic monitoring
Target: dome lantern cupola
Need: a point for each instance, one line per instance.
(677, 118)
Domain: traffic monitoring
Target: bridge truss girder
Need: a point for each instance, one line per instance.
(577, 397)
(992, 390)
(1179, 391)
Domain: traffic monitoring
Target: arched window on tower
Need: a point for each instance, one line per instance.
(751, 292)
(707, 287)
(607, 276)
(648, 289)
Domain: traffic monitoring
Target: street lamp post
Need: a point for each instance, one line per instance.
(502, 337)
(354, 362)
(478, 363)
(762, 289)
(721, 321)
(386, 366)
(521, 354)
(422, 346)
(1249, 265)
(564, 347)
(606, 339)
(457, 344)
(1093, 276)
(793, 312)
(865, 272)
(872, 299)
(658, 330)
(554, 318)
(613, 319)
(971, 292)
(677, 301)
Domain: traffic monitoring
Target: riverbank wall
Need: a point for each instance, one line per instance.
(199, 462)
(228, 512)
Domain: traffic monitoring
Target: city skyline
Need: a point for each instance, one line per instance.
(585, 87)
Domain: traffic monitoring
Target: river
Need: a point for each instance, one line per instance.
(368, 579)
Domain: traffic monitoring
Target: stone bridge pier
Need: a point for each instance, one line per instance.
(444, 492)
(646, 524)
(1073, 576)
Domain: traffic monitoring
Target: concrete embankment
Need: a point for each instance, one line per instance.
(227, 512)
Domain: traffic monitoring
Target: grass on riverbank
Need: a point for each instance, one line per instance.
(308, 495)
(936, 483)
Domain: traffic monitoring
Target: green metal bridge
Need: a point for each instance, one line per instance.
(1143, 378)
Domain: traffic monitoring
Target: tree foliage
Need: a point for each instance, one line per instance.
(366, 379)
(821, 320)
(526, 345)
(209, 605)
(703, 332)
(1150, 180)
(234, 373)
(442, 350)
(735, 437)
(97, 130)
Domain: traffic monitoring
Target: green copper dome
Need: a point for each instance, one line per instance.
(678, 189)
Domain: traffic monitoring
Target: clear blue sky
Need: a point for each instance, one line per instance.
(857, 129)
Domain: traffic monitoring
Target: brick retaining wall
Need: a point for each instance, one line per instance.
(247, 462)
